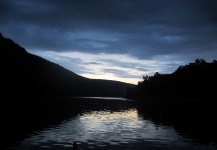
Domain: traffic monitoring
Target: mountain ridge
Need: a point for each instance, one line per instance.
(38, 76)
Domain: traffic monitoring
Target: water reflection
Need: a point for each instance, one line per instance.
(109, 124)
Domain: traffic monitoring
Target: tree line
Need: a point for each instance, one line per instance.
(196, 79)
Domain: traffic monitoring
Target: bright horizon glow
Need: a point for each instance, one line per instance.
(112, 77)
(116, 67)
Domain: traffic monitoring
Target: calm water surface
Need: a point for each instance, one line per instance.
(104, 123)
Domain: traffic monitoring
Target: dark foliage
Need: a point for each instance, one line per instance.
(196, 79)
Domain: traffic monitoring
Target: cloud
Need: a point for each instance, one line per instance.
(110, 66)
(163, 31)
(140, 28)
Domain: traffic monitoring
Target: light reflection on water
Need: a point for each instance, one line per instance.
(109, 129)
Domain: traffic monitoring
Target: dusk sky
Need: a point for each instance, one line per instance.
(114, 39)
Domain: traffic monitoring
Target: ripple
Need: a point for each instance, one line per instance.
(106, 128)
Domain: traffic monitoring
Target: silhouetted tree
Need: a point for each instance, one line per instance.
(195, 79)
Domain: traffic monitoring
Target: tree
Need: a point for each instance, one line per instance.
(146, 78)
(200, 61)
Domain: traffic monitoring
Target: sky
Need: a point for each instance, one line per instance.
(121, 40)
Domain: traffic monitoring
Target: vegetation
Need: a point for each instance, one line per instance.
(27, 74)
(194, 80)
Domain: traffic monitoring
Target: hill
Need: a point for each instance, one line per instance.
(194, 80)
(27, 74)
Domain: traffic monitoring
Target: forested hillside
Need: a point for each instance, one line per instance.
(27, 74)
(197, 79)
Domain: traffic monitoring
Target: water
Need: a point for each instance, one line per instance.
(104, 123)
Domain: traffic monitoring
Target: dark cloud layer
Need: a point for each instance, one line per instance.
(142, 28)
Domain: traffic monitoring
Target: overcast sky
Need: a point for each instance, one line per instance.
(114, 39)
